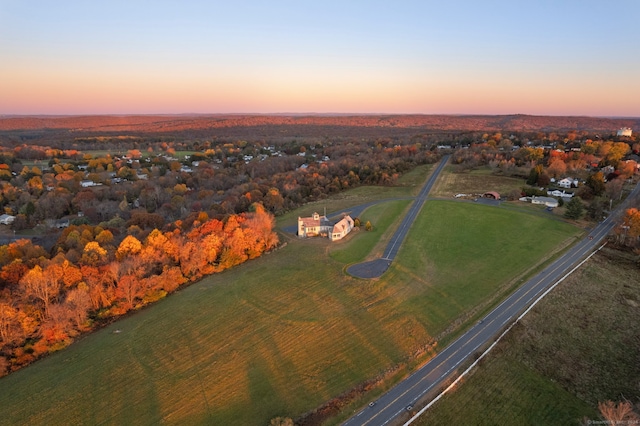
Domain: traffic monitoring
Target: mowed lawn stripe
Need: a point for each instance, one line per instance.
(281, 334)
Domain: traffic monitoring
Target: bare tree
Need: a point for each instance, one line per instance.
(78, 304)
(41, 285)
(613, 189)
(617, 414)
(9, 325)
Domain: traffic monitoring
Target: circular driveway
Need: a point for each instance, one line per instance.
(371, 269)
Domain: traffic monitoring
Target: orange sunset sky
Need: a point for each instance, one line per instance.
(497, 57)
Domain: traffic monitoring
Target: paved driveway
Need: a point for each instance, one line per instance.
(376, 268)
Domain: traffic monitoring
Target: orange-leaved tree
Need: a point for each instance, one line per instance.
(42, 286)
(629, 230)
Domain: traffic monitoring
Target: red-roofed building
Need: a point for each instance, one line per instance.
(491, 194)
(313, 226)
(317, 225)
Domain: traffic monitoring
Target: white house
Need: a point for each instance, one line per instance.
(342, 228)
(558, 193)
(625, 131)
(317, 225)
(89, 183)
(567, 183)
(547, 201)
(7, 219)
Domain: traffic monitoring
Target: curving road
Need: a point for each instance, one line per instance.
(399, 401)
(376, 268)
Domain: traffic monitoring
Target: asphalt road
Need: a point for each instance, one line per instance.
(377, 267)
(399, 401)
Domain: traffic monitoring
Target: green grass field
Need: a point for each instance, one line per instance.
(474, 182)
(463, 254)
(282, 334)
(577, 347)
(508, 392)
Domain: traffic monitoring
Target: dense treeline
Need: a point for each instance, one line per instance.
(221, 178)
(46, 301)
(559, 156)
(257, 124)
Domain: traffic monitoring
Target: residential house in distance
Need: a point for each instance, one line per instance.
(558, 193)
(59, 223)
(567, 183)
(317, 225)
(547, 201)
(625, 131)
(89, 183)
(7, 219)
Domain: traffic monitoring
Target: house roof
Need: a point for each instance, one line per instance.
(311, 222)
(343, 224)
(548, 201)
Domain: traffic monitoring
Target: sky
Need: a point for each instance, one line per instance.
(543, 57)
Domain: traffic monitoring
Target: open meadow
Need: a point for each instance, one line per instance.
(576, 348)
(283, 334)
(476, 181)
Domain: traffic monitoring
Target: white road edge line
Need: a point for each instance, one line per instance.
(465, 372)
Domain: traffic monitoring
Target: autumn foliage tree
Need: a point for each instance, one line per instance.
(52, 300)
(41, 285)
(628, 232)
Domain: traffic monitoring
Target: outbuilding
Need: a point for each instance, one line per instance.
(547, 201)
(491, 194)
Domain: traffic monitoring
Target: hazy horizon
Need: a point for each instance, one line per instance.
(303, 114)
(570, 58)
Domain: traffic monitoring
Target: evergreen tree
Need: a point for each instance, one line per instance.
(533, 177)
(574, 208)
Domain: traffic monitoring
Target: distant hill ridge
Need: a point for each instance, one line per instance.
(171, 123)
